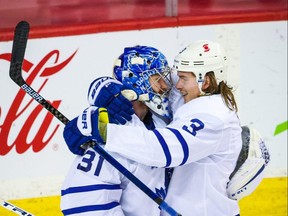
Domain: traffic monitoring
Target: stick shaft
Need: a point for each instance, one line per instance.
(18, 52)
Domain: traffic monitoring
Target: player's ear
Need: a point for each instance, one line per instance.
(206, 83)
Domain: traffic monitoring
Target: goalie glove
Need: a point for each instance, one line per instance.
(108, 93)
(249, 171)
(90, 125)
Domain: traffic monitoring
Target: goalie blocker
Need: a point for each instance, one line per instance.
(251, 163)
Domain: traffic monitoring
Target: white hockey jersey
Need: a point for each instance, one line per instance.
(95, 187)
(203, 143)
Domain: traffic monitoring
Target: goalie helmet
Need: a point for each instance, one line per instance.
(133, 69)
(201, 57)
(251, 163)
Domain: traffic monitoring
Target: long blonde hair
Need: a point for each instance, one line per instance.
(224, 89)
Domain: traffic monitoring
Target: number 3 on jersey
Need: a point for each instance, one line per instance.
(195, 126)
(87, 162)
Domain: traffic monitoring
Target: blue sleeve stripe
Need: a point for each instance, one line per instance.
(183, 144)
(164, 147)
(88, 188)
(90, 208)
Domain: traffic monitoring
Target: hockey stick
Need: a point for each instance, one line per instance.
(18, 52)
(14, 208)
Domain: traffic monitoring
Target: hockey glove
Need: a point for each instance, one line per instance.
(90, 125)
(106, 92)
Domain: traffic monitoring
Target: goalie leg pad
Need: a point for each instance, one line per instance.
(250, 166)
(246, 179)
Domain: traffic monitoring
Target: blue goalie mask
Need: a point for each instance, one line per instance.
(145, 70)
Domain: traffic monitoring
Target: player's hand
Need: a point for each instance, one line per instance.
(106, 92)
(90, 125)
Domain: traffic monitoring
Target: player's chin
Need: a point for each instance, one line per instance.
(185, 96)
(183, 93)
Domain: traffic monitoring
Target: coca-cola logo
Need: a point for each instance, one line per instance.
(40, 72)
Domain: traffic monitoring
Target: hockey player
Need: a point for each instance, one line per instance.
(93, 186)
(203, 141)
(212, 164)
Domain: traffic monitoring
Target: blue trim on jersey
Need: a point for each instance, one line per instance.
(183, 144)
(88, 188)
(83, 209)
(164, 147)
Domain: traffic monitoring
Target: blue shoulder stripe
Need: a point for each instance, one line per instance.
(88, 188)
(164, 147)
(89, 208)
(183, 144)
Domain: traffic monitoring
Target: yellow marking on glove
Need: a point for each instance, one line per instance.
(103, 120)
